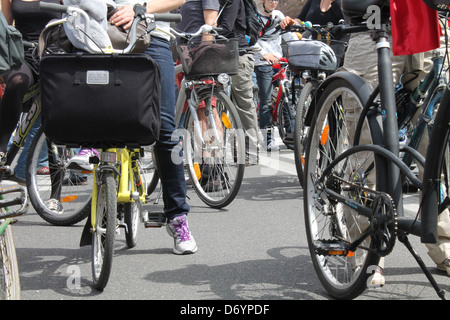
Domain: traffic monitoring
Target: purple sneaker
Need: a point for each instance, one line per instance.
(184, 242)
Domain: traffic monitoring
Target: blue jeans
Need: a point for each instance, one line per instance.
(20, 170)
(264, 75)
(171, 172)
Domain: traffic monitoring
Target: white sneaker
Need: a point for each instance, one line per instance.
(81, 160)
(55, 206)
(272, 146)
(445, 266)
(184, 242)
(378, 279)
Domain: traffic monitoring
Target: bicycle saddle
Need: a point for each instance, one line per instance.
(354, 11)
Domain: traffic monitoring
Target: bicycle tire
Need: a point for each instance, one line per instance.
(105, 229)
(286, 122)
(343, 277)
(76, 187)
(218, 182)
(9, 269)
(300, 131)
(150, 172)
(131, 219)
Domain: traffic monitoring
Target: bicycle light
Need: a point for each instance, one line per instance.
(223, 78)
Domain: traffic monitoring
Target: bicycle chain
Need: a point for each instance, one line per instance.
(384, 225)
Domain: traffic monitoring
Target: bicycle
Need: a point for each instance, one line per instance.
(284, 101)
(311, 77)
(43, 187)
(210, 127)
(353, 192)
(13, 203)
(119, 190)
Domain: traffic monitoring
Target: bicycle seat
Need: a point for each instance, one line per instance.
(354, 11)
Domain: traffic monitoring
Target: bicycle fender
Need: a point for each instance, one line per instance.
(357, 82)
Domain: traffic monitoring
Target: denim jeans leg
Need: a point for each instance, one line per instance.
(167, 151)
(20, 170)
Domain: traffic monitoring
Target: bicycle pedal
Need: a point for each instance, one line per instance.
(333, 248)
(155, 220)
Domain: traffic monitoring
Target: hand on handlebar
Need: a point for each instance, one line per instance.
(124, 17)
(288, 21)
(271, 58)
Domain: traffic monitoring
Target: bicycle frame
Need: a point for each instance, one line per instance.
(129, 187)
(283, 87)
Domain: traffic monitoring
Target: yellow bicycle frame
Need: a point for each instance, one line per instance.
(126, 183)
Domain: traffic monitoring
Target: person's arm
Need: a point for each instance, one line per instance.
(6, 10)
(125, 15)
(210, 17)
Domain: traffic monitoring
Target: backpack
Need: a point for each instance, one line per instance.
(252, 19)
(11, 47)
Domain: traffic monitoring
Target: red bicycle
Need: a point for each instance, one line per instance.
(284, 101)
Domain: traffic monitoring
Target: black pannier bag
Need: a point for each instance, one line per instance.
(100, 101)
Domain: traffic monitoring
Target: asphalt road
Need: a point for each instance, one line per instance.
(254, 249)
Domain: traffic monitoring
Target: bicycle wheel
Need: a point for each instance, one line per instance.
(300, 130)
(105, 230)
(131, 219)
(75, 186)
(327, 219)
(150, 174)
(9, 269)
(216, 165)
(286, 120)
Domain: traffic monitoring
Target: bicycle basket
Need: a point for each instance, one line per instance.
(309, 55)
(440, 5)
(100, 101)
(201, 59)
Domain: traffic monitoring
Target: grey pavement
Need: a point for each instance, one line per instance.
(254, 249)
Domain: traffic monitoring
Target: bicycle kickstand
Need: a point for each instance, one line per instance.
(404, 239)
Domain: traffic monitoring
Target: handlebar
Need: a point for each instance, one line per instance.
(330, 28)
(140, 14)
(206, 28)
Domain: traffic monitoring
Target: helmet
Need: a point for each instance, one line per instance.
(328, 61)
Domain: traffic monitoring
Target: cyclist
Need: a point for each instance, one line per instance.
(232, 21)
(270, 43)
(171, 173)
(30, 21)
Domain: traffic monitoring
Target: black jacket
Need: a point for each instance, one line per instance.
(232, 21)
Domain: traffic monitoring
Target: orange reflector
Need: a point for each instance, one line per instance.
(198, 174)
(324, 137)
(335, 252)
(87, 171)
(69, 199)
(349, 254)
(303, 160)
(226, 121)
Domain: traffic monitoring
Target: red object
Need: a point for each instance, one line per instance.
(415, 27)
